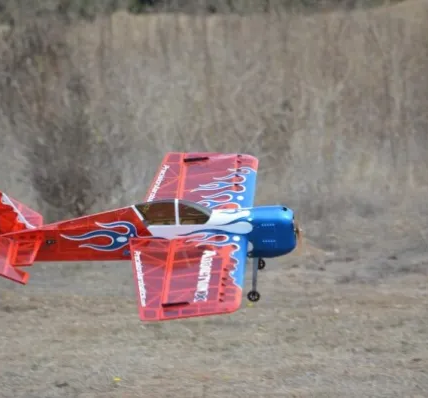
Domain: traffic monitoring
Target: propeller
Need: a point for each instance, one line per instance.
(303, 247)
(299, 235)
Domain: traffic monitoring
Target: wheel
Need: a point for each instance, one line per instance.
(262, 263)
(253, 296)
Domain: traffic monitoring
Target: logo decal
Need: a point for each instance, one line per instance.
(201, 293)
(216, 239)
(158, 182)
(140, 277)
(117, 239)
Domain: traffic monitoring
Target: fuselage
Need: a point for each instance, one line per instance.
(270, 230)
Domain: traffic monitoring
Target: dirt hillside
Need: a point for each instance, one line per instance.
(333, 105)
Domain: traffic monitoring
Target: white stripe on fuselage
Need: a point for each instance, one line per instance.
(216, 222)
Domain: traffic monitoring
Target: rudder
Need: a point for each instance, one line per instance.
(15, 216)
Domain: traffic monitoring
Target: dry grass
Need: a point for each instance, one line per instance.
(334, 106)
(307, 337)
(296, 91)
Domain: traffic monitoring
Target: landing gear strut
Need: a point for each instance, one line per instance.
(253, 295)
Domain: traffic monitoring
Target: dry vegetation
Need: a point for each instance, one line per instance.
(296, 91)
(334, 106)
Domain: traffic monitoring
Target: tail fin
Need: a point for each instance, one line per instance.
(14, 216)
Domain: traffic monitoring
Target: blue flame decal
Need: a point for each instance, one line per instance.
(242, 171)
(206, 237)
(213, 186)
(117, 240)
(241, 196)
(218, 239)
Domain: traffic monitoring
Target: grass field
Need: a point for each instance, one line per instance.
(334, 106)
(319, 331)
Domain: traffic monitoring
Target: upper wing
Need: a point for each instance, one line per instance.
(187, 277)
(210, 179)
(14, 254)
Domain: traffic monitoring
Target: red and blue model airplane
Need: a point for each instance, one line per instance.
(188, 241)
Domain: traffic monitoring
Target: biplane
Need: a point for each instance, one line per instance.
(188, 241)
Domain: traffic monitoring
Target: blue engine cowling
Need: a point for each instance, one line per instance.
(273, 234)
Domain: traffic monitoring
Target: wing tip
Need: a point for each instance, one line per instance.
(170, 311)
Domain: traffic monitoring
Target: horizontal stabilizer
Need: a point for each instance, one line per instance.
(16, 254)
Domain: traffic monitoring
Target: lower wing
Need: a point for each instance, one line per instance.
(197, 275)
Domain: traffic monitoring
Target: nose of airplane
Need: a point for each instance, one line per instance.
(295, 227)
(290, 230)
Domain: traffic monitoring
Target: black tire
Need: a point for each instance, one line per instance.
(262, 263)
(253, 296)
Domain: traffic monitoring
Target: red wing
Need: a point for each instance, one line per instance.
(210, 179)
(184, 278)
(17, 254)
